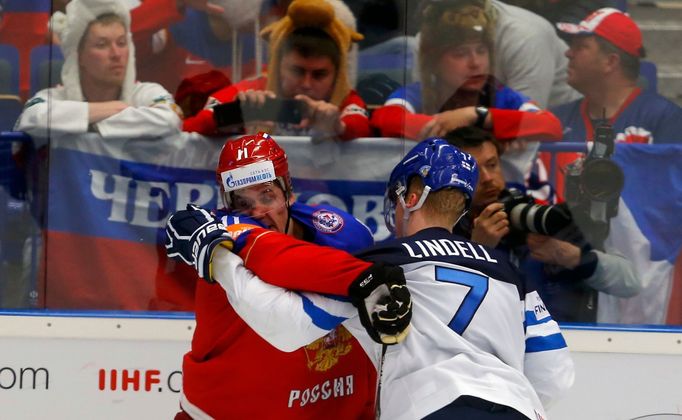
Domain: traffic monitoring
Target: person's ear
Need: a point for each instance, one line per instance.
(411, 200)
(612, 61)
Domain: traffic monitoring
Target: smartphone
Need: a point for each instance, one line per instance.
(274, 109)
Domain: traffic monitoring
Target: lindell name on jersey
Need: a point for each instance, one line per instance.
(442, 247)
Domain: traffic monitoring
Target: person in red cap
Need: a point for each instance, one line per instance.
(604, 58)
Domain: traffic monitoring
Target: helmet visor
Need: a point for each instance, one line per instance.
(391, 196)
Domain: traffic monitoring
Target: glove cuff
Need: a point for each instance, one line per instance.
(374, 276)
(206, 256)
(365, 283)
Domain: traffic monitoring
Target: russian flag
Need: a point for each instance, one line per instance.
(648, 231)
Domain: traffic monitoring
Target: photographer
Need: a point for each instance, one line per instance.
(568, 267)
(307, 90)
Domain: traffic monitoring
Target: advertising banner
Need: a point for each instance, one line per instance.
(79, 367)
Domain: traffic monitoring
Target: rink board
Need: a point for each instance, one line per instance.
(99, 366)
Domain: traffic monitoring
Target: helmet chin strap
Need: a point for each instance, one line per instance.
(460, 218)
(407, 211)
(287, 197)
(286, 227)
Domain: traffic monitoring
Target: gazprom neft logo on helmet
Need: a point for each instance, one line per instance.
(246, 176)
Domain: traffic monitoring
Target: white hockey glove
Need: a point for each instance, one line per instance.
(383, 303)
(192, 235)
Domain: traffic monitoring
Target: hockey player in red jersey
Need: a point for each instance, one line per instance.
(310, 61)
(231, 372)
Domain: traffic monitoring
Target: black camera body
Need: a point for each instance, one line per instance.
(593, 187)
(526, 216)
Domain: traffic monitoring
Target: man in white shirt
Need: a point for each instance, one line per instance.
(99, 91)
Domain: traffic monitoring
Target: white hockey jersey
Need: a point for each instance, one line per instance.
(476, 330)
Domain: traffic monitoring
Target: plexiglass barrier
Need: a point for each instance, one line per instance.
(84, 200)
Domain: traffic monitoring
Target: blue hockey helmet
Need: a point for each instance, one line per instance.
(440, 165)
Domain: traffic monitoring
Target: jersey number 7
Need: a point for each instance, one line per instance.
(478, 288)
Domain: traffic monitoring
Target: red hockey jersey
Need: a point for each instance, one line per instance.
(233, 373)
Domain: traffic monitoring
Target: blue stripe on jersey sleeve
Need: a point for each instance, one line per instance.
(320, 317)
(550, 342)
(531, 320)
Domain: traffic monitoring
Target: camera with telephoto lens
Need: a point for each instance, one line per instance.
(593, 186)
(526, 216)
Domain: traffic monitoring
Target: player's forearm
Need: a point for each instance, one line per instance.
(286, 319)
(547, 362)
(551, 373)
(297, 265)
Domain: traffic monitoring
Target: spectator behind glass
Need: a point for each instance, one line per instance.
(99, 92)
(528, 51)
(309, 61)
(457, 89)
(604, 57)
(156, 48)
(568, 269)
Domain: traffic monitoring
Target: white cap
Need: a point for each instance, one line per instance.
(71, 27)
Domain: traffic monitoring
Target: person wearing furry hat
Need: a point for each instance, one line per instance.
(99, 92)
(456, 87)
(309, 52)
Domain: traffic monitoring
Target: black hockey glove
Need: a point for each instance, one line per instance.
(383, 302)
(192, 235)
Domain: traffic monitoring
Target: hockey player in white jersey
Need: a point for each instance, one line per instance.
(482, 345)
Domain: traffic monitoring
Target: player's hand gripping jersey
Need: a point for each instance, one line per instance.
(466, 338)
(231, 372)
